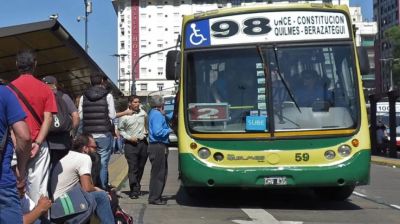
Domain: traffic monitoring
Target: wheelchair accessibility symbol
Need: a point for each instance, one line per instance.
(198, 34)
(196, 38)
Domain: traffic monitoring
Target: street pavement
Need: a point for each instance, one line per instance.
(118, 168)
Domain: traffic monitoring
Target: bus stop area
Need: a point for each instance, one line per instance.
(58, 55)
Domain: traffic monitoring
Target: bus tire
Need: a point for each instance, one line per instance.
(334, 193)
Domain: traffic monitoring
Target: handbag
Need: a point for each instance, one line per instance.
(74, 206)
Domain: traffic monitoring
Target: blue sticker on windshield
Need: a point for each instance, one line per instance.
(198, 34)
(256, 123)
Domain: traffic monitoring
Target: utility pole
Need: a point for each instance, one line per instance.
(118, 56)
(133, 86)
(88, 10)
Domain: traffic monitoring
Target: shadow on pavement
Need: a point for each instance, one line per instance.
(298, 199)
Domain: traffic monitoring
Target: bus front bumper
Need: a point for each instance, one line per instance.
(354, 171)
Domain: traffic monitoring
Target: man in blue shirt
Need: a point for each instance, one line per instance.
(157, 150)
(13, 116)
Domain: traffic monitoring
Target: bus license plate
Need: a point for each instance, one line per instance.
(275, 181)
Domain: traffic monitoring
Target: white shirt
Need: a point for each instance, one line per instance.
(67, 172)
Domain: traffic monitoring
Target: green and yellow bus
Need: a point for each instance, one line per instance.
(246, 114)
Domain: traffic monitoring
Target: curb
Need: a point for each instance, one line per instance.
(385, 161)
(118, 171)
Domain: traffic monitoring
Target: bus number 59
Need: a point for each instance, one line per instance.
(302, 157)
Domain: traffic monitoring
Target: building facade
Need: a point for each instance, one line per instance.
(386, 15)
(148, 26)
(365, 37)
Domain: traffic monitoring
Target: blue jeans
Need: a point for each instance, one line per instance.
(104, 149)
(10, 206)
(103, 208)
(118, 144)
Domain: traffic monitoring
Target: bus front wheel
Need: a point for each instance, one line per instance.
(334, 193)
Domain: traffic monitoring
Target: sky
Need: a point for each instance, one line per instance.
(102, 23)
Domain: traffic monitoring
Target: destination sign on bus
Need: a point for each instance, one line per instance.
(264, 27)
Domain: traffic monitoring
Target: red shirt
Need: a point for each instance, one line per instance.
(41, 98)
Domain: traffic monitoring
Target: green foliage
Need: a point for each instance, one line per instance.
(393, 35)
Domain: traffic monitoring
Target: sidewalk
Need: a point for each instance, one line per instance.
(118, 168)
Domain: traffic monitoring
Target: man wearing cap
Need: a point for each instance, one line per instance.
(42, 100)
(60, 143)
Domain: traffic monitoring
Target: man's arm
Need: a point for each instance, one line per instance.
(125, 112)
(86, 183)
(111, 106)
(22, 148)
(40, 209)
(44, 130)
(75, 120)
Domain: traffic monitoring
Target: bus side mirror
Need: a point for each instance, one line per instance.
(172, 68)
(363, 60)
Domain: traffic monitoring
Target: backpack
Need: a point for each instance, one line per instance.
(121, 217)
(62, 121)
(59, 137)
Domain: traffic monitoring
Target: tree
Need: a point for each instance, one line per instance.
(393, 35)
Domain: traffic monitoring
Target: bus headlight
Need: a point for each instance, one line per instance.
(218, 156)
(204, 153)
(344, 150)
(330, 154)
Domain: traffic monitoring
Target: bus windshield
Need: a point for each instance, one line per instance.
(292, 88)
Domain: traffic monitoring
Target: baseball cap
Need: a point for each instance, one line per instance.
(49, 80)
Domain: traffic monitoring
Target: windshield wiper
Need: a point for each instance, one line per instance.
(280, 75)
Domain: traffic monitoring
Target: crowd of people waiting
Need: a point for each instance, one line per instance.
(53, 150)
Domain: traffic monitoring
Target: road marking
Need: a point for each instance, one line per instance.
(395, 206)
(374, 200)
(172, 148)
(260, 216)
(359, 194)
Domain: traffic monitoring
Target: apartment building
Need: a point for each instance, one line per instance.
(147, 27)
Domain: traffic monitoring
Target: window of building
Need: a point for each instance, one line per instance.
(159, 14)
(122, 18)
(143, 86)
(160, 45)
(122, 72)
(122, 32)
(160, 86)
(143, 71)
(122, 86)
(122, 45)
(160, 71)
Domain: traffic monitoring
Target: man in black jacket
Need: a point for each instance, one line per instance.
(97, 110)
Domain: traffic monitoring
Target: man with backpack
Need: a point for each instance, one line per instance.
(64, 122)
